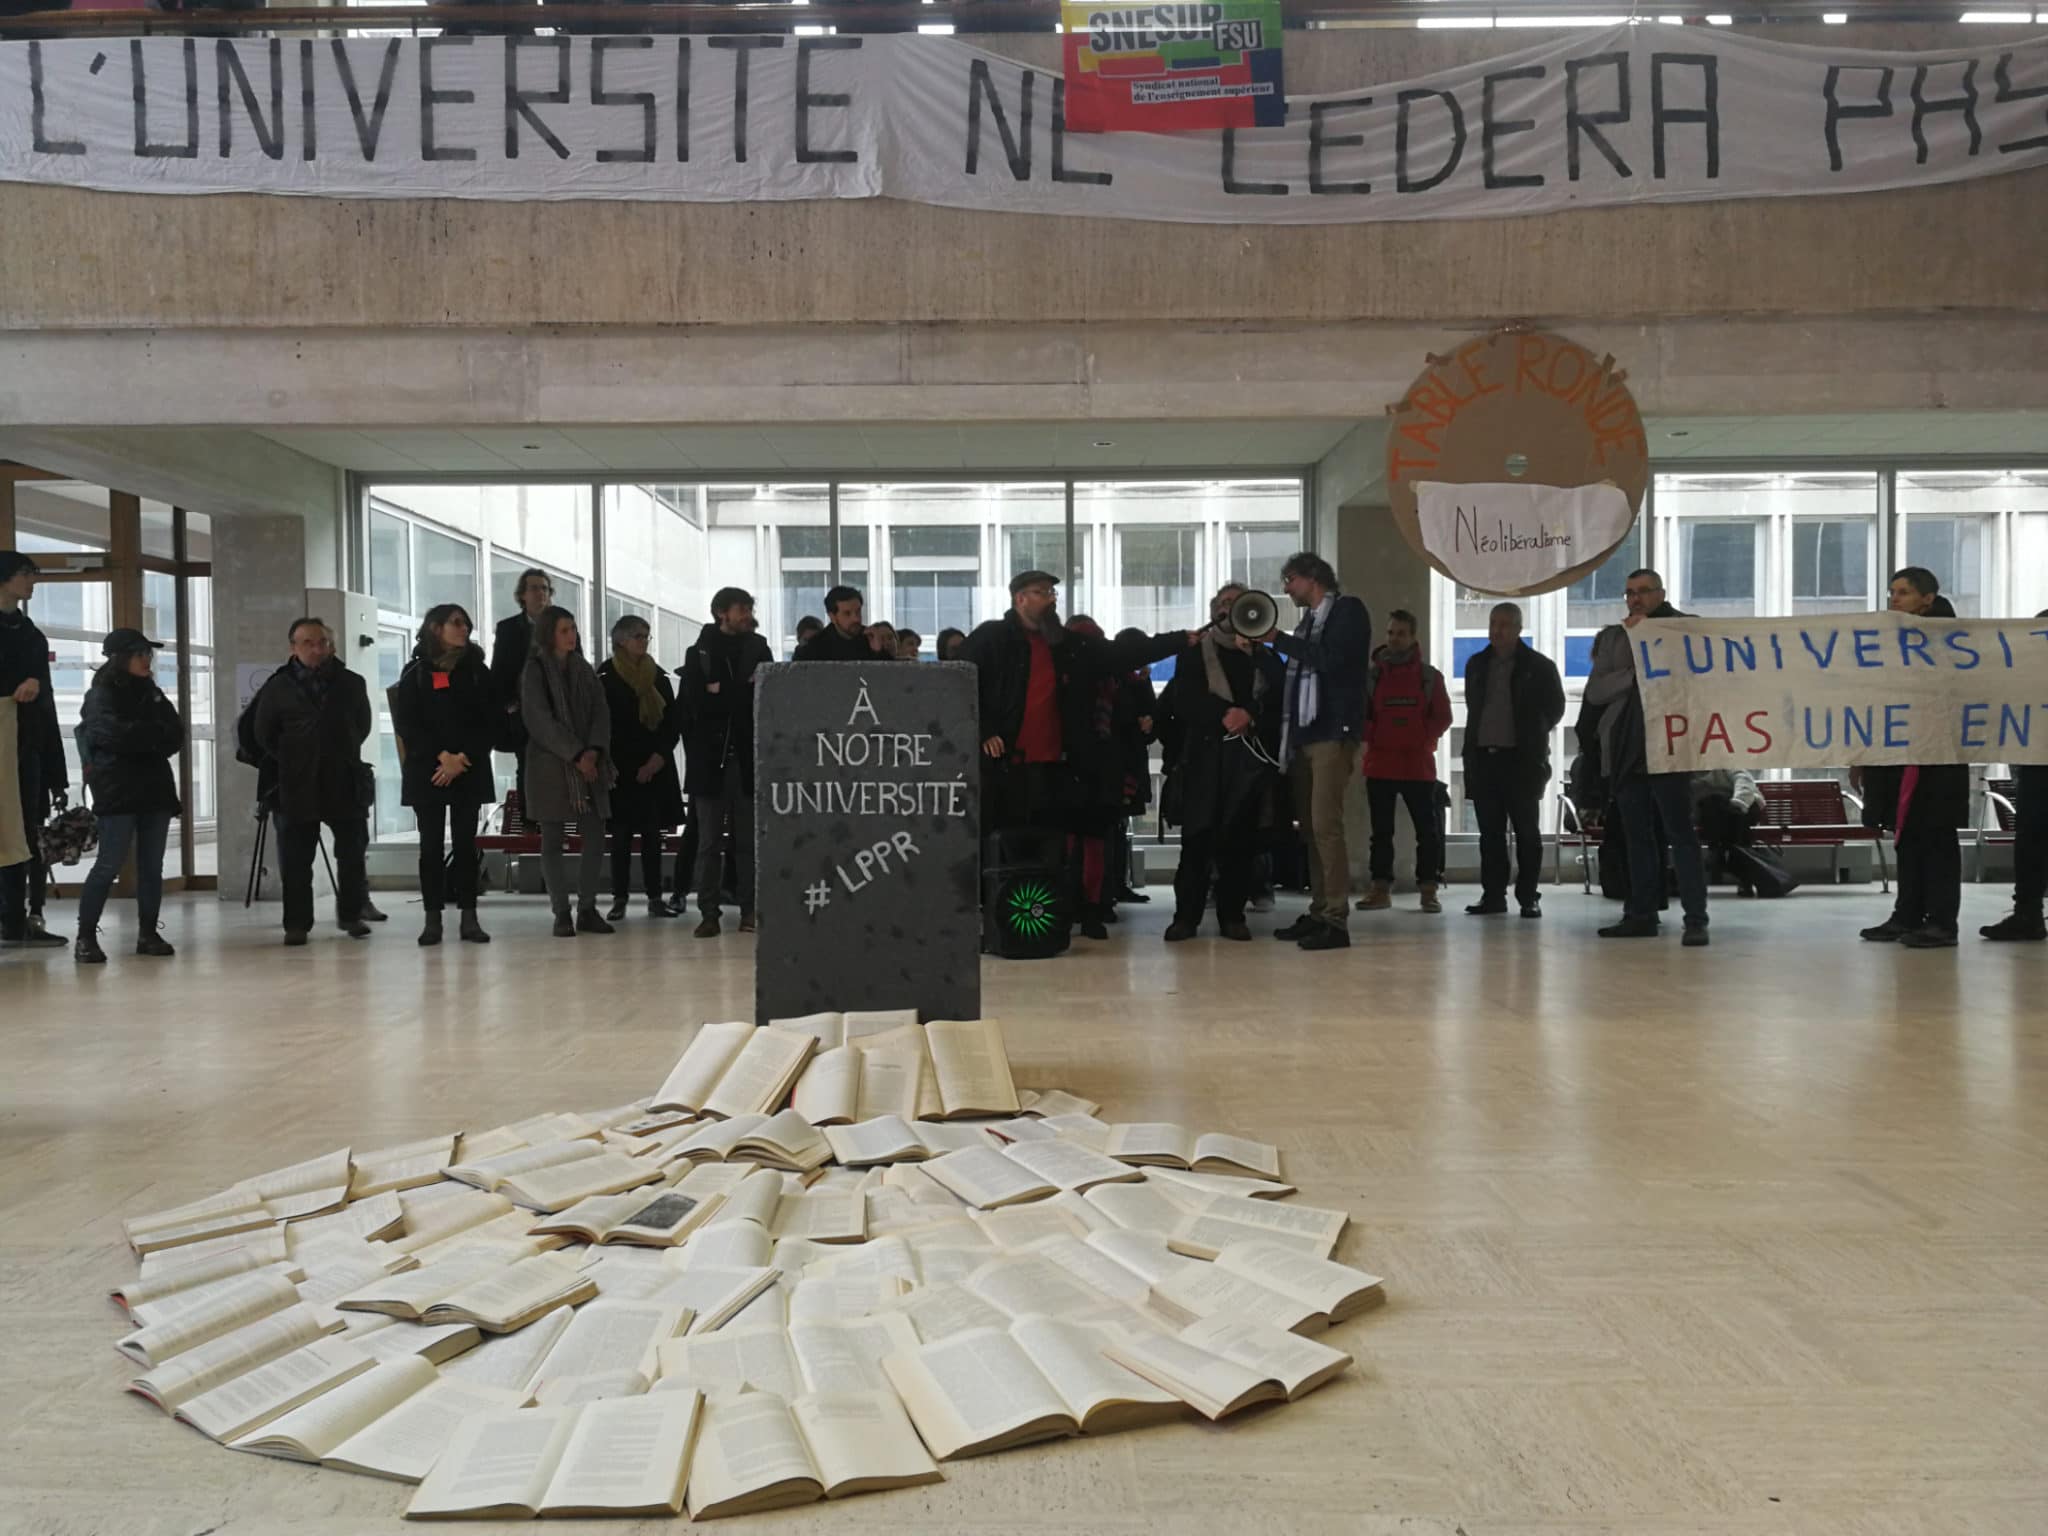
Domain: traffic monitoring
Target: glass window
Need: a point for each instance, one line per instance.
(1257, 552)
(157, 531)
(445, 568)
(1984, 534)
(656, 558)
(390, 562)
(1157, 578)
(1162, 546)
(673, 636)
(1831, 565)
(1956, 550)
(61, 517)
(1717, 568)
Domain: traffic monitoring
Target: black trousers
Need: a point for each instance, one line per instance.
(297, 842)
(1230, 851)
(1382, 796)
(445, 830)
(1502, 804)
(1930, 876)
(2030, 841)
(650, 837)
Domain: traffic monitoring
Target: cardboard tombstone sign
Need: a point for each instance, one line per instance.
(1517, 463)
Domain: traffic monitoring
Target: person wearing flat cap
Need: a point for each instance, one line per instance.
(128, 733)
(1036, 682)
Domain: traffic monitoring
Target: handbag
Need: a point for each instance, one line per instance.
(70, 834)
(366, 787)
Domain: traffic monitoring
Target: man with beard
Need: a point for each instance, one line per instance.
(716, 698)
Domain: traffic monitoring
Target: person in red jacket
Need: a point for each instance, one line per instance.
(1407, 711)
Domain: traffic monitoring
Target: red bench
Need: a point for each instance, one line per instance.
(1817, 813)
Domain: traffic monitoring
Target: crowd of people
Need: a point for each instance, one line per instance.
(1260, 736)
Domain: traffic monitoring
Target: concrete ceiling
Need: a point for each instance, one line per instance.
(1105, 445)
(795, 446)
(1888, 436)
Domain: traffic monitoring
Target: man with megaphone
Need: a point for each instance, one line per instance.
(1323, 717)
(1219, 721)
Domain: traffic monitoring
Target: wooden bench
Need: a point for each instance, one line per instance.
(1817, 813)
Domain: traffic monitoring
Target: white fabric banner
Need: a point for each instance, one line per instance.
(1842, 690)
(1626, 114)
(1510, 537)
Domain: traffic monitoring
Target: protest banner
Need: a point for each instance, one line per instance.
(1841, 691)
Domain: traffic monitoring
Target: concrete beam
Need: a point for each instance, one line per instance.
(305, 262)
(958, 373)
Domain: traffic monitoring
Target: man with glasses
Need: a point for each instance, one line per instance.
(511, 646)
(1649, 803)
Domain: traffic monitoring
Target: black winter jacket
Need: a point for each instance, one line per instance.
(1536, 694)
(718, 725)
(317, 744)
(128, 733)
(658, 802)
(465, 715)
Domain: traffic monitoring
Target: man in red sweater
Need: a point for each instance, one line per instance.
(1407, 711)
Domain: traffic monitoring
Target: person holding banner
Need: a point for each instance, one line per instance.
(1924, 805)
(2029, 857)
(1647, 801)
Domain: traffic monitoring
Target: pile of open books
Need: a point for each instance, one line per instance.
(822, 1257)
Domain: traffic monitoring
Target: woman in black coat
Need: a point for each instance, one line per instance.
(648, 799)
(446, 712)
(1925, 806)
(128, 732)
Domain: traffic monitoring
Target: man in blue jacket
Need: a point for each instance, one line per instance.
(1322, 718)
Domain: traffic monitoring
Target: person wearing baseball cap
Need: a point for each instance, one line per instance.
(128, 733)
(37, 769)
(1037, 683)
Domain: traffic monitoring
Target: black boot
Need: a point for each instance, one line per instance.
(430, 930)
(86, 950)
(471, 930)
(589, 921)
(617, 911)
(656, 907)
(153, 944)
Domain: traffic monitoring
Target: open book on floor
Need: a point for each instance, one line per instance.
(834, 1030)
(1175, 1146)
(1224, 1364)
(253, 1399)
(560, 1186)
(618, 1456)
(208, 1313)
(988, 1389)
(851, 1083)
(736, 1069)
(785, 1140)
(756, 1452)
(488, 1173)
(198, 1370)
(511, 1298)
(895, 1139)
(648, 1220)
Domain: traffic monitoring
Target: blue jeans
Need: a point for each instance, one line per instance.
(1647, 801)
(147, 834)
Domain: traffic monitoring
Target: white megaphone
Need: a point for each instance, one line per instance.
(1253, 615)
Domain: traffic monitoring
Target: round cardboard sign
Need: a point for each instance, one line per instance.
(1519, 411)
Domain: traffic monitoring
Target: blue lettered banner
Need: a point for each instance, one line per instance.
(1842, 690)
